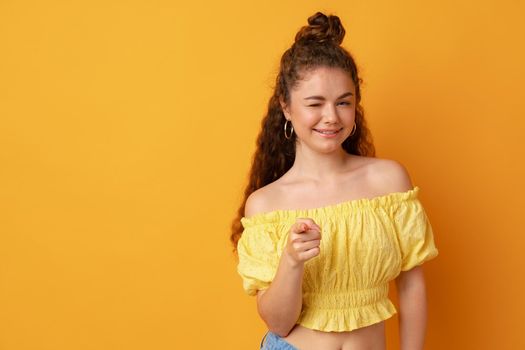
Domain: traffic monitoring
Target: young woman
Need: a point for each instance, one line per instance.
(325, 224)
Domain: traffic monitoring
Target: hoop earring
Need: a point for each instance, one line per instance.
(353, 130)
(291, 132)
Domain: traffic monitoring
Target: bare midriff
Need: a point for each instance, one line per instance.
(366, 338)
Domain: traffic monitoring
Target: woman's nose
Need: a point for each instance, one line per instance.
(330, 113)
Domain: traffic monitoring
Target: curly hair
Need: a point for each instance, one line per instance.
(316, 45)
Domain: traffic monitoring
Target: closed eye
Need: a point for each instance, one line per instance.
(317, 104)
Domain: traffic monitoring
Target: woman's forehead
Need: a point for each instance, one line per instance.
(325, 79)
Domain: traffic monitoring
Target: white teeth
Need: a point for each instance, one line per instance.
(327, 132)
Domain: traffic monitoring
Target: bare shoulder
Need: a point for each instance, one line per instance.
(390, 175)
(257, 201)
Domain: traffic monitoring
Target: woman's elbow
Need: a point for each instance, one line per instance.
(281, 330)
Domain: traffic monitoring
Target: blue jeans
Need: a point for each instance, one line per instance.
(272, 341)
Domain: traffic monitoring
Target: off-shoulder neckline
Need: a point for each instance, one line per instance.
(273, 215)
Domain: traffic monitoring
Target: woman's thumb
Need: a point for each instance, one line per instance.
(303, 227)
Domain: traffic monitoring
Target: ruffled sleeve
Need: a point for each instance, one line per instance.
(415, 234)
(258, 257)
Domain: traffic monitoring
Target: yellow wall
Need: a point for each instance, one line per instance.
(126, 132)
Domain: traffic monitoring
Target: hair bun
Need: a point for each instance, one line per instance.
(321, 28)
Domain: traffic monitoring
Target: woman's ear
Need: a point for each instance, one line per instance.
(284, 108)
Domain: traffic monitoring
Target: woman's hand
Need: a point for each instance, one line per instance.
(303, 241)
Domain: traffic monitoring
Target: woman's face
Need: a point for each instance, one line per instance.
(323, 100)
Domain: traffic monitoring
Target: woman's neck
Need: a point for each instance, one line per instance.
(320, 167)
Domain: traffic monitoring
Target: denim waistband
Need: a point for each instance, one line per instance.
(272, 341)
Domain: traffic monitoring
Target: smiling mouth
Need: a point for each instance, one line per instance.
(331, 132)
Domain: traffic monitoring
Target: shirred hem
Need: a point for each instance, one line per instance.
(430, 256)
(329, 320)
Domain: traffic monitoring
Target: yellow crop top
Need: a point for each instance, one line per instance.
(365, 244)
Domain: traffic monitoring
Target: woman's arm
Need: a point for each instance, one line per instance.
(413, 308)
(280, 304)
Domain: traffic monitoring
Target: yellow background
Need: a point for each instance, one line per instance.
(126, 134)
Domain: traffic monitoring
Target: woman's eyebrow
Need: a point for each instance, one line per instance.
(322, 98)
